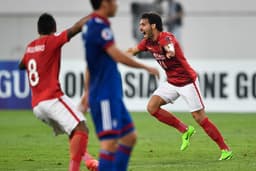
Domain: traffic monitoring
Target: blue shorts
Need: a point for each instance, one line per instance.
(111, 119)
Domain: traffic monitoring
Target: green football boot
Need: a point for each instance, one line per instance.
(186, 138)
(226, 155)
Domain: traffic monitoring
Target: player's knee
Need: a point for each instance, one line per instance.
(110, 145)
(199, 116)
(133, 139)
(130, 139)
(151, 108)
(196, 118)
(82, 127)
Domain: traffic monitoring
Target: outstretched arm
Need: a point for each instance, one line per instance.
(123, 58)
(133, 51)
(77, 27)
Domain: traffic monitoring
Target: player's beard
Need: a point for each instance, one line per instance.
(149, 34)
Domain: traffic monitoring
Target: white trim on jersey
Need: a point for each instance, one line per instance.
(106, 116)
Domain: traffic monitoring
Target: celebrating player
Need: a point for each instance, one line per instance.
(113, 123)
(42, 63)
(181, 81)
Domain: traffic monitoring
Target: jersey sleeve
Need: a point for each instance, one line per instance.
(59, 39)
(106, 37)
(142, 45)
(166, 40)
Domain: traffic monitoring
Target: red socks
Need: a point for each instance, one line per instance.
(214, 133)
(169, 119)
(78, 144)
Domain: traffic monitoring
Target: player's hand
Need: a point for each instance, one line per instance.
(154, 71)
(129, 51)
(132, 51)
(84, 105)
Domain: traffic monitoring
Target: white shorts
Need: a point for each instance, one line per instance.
(60, 113)
(190, 93)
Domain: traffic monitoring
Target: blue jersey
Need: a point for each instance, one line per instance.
(105, 79)
(110, 117)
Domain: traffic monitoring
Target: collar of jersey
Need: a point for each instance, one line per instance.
(94, 15)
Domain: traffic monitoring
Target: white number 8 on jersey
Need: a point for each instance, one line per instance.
(32, 72)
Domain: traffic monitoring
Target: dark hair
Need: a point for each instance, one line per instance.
(46, 24)
(96, 4)
(153, 18)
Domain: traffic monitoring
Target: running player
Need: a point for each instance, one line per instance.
(42, 63)
(181, 81)
(113, 123)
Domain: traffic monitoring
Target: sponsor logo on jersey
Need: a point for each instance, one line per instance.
(159, 56)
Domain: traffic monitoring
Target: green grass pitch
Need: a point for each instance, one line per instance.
(26, 144)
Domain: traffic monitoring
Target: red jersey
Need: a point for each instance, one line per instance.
(42, 61)
(178, 71)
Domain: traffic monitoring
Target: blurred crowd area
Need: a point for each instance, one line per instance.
(172, 13)
(206, 29)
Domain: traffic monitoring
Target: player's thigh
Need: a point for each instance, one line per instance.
(192, 96)
(127, 127)
(61, 114)
(111, 119)
(40, 113)
(128, 134)
(154, 103)
(103, 118)
(71, 117)
(167, 92)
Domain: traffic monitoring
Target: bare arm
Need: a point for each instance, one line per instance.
(133, 51)
(86, 80)
(123, 58)
(77, 27)
(84, 105)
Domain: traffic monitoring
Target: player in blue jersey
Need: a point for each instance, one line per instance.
(103, 88)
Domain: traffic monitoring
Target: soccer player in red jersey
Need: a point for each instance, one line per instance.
(181, 81)
(42, 63)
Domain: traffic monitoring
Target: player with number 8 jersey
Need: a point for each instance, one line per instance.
(42, 61)
(42, 58)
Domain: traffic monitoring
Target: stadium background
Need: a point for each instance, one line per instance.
(217, 37)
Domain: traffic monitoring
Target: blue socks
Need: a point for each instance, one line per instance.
(118, 161)
(106, 161)
(122, 157)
